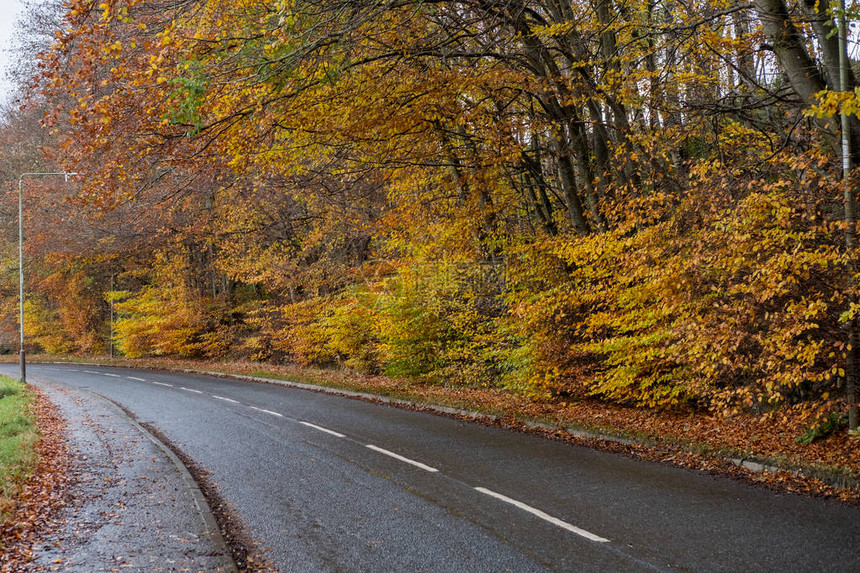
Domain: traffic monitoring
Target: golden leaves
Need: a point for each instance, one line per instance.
(443, 145)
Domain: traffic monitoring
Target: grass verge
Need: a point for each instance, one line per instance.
(19, 436)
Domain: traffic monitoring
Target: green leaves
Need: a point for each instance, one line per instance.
(823, 428)
(188, 96)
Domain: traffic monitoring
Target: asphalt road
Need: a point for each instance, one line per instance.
(327, 483)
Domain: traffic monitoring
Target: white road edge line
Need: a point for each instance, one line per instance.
(190, 390)
(544, 516)
(266, 411)
(163, 384)
(401, 458)
(321, 429)
(135, 378)
(225, 399)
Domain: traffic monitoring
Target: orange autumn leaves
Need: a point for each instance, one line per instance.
(594, 199)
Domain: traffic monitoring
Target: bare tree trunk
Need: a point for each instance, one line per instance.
(788, 45)
(850, 224)
(828, 42)
(744, 55)
(537, 185)
(567, 176)
(579, 141)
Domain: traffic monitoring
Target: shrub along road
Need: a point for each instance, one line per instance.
(326, 483)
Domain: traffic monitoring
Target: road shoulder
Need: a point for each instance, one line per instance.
(131, 505)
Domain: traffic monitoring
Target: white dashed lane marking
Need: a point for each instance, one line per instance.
(266, 411)
(135, 378)
(163, 384)
(225, 399)
(321, 429)
(424, 467)
(544, 516)
(190, 390)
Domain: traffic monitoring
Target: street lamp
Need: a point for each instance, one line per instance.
(21, 355)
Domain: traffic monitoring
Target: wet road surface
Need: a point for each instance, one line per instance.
(327, 483)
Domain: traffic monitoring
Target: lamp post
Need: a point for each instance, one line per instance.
(21, 355)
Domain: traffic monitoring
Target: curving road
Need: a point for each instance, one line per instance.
(326, 483)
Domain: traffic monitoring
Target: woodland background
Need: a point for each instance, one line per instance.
(635, 201)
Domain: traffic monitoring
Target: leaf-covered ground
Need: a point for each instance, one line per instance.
(40, 496)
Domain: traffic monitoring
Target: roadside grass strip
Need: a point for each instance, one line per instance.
(18, 438)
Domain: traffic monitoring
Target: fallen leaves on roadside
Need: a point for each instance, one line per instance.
(41, 496)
